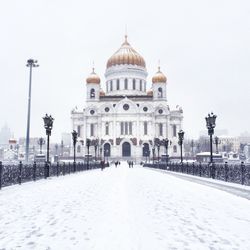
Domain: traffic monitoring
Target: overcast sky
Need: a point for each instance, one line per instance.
(203, 47)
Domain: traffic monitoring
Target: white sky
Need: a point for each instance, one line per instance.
(203, 47)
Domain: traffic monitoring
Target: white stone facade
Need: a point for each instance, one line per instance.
(127, 116)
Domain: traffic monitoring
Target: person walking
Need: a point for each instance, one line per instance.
(102, 165)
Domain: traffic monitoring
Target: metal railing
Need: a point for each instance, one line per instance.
(235, 173)
(17, 174)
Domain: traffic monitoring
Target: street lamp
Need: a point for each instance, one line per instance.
(217, 141)
(30, 63)
(158, 145)
(41, 142)
(62, 146)
(88, 141)
(48, 125)
(74, 138)
(153, 151)
(95, 145)
(144, 151)
(166, 142)
(101, 153)
(210, 122)
(192, 147)
(180, 142)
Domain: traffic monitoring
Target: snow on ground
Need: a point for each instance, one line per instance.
(122, 208)
(232, 188)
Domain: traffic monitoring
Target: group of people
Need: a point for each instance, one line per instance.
(130, 164)
(117, 163)
(103, 164)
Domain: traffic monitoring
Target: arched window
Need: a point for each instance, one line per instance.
(106, 128)
(126, 84)
(91, 129)
(111, 85)
(145, 86)
(174, 130)
(78, 149)
(175, 149)
(117, 84)
(92, 93)
(79, 131)
(145, 128)
(160, 129)
(140, 85)
(133, 83)
(160, 94)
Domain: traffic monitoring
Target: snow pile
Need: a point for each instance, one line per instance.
(122, 208)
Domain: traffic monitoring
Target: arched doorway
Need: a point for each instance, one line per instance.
(145, 149)
(106, 148)
(126, 149)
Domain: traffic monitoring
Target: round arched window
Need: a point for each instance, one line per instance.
(125, 106)
(145, 109)
(160, 111)
(106, 109)
(92, 111)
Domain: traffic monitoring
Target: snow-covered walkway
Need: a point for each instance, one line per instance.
(122, 208)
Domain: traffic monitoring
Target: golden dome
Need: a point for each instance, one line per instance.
(93, 78)
(159, 77)
(126, 55)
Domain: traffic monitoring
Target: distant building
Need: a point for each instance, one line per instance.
(5, 135)
(66, 138)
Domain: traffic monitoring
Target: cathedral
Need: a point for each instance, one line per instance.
(121, 118)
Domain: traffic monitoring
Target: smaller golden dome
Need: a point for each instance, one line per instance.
(159, 77)
(150, 92)
(93, 78)
(102, 93)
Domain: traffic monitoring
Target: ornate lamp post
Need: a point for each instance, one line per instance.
(74, 138)
(153, 151)
(95, 145)
(166, 142)
(48, 125)
(30, 63)
(192, 147)
(180, 142)
(210, 122)
(217, 141)
(41, 142)
(101, 152)
(88, 141)
(62, 146)
(157, 143)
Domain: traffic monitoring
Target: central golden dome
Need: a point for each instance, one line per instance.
(126, 55)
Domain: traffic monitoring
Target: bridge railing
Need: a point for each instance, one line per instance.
(11, 174)
(235, 173)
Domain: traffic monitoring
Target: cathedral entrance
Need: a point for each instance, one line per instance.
(126, 149)
(145, 149)
(106, 150)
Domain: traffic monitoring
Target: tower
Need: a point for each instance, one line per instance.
(93, 87)
(159, 86)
